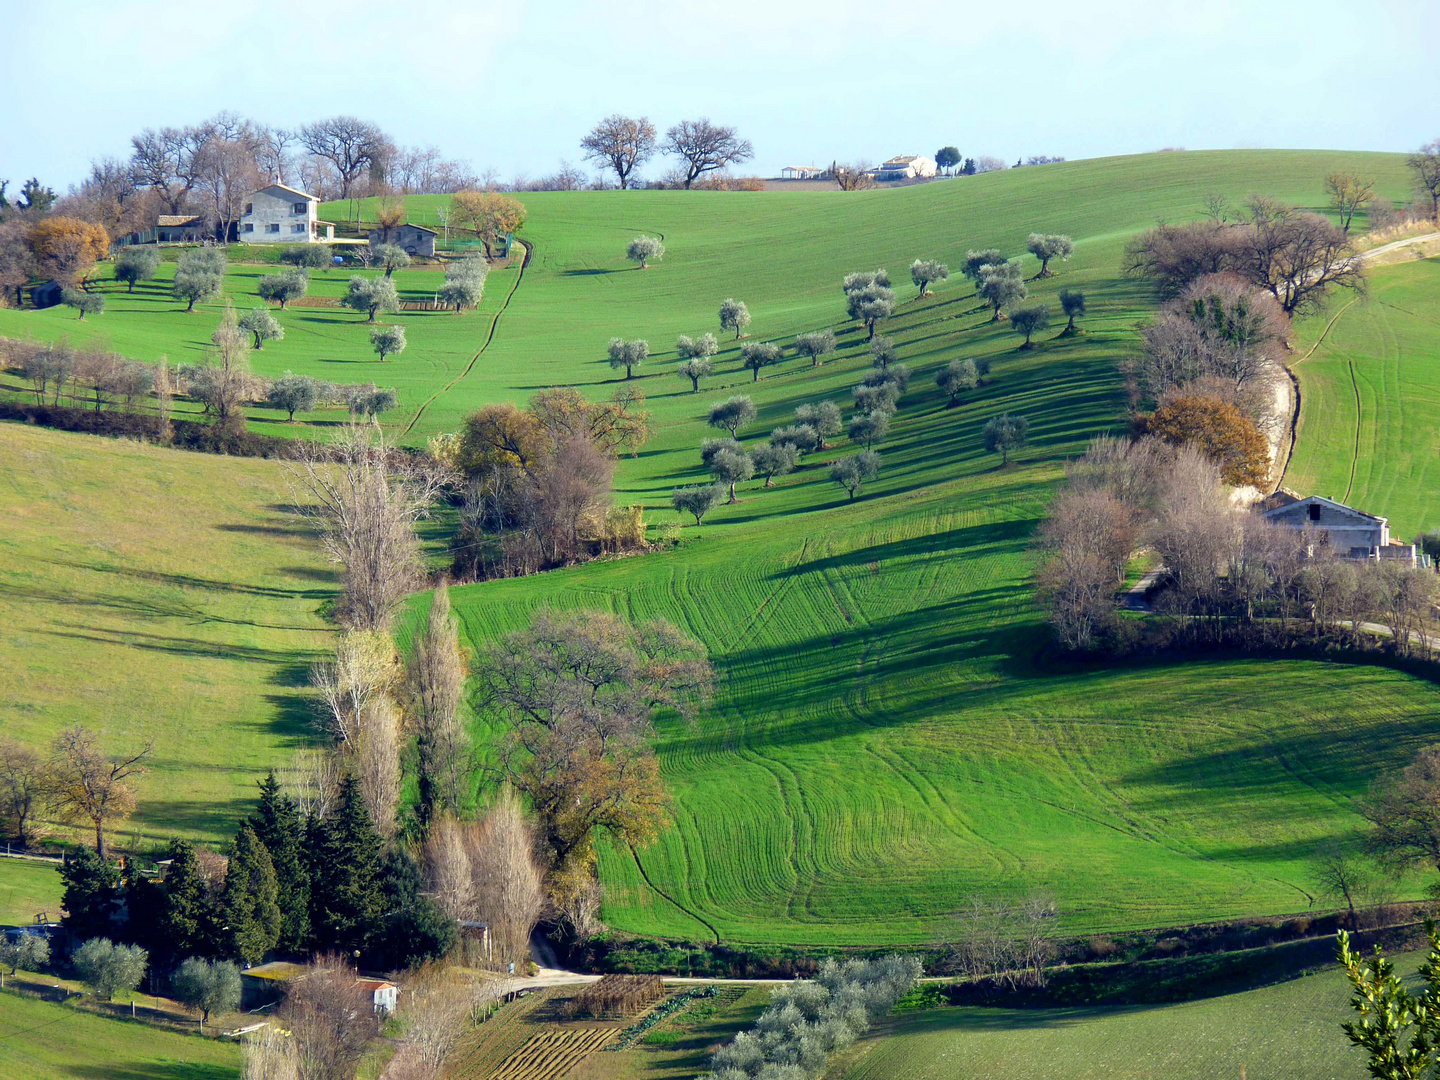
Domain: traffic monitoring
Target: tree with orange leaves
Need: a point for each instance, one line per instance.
(67, 249)
(1219, 430)
(488, 214)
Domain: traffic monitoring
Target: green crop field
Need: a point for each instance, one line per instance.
(1290, 1031)
(1370, 406)
(156, 595)
(26, 889)
(885, 742)
(41, 1040)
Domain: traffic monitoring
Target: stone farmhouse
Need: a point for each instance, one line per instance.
(415, 239)
(282, 215)
(1350, 533)
(906, 167)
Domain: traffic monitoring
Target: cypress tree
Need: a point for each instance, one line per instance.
(416, 930)
(276, 823)
(249, 906)
(347, 901)
(186, 924)
(91, 886)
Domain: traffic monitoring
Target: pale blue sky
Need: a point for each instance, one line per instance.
(514, 85)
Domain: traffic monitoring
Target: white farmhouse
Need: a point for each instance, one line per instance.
(907, 167)
(1346, 532)
(282, 215)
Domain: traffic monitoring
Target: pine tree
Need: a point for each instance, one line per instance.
(186, 925)
(249, 906)
(277, 825)
(416, 930)
(347, 901)
(90, 893)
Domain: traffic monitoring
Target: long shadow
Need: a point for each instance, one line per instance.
(588, 273)
(181, 646)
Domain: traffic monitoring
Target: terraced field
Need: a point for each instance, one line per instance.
(1370, 407)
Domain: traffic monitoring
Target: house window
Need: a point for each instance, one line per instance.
(298, 208)
(297, 228)
(1314, 511)
(274, 226)
(249, 208)
(248, 227)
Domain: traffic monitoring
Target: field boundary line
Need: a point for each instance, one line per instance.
(494, 325)
(1295, 381)
(1355, 456)
(661, 892)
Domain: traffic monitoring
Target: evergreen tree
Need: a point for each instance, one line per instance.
(252, 915)
(91, 889)
(186, 924)
(416, 930)
(347, 904)
(276, 824)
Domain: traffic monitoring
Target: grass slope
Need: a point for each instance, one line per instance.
(1370, 410)
(26, 889)
(153, 594)
(1286, 1032)
(41, 1040)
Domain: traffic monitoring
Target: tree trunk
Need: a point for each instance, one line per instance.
(100, 837)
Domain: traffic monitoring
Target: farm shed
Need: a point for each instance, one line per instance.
(181, 229)
(1351, 533)
(382, 994)
(265, 983)
(46, 295)
(415, 239)
(801, 172)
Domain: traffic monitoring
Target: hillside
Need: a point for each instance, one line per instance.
(887, 741)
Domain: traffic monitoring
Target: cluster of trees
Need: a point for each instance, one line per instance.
(538, 481)
(808, 1020)
(1005, 942)
(1229, 575)
(621, 144)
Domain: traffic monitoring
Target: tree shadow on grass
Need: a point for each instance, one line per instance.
(152, 1071)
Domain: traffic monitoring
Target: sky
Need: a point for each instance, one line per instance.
(513, 86)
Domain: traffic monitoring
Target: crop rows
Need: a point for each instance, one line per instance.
(551, 1054)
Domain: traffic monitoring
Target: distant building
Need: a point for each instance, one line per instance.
(906, 167)
(181, 229)
(283, 215)
(801, 172)
(382, 994)
(265, 983)
(415, 239)
(1349, 533)
(47, 295)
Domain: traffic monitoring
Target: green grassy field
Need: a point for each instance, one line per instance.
(158, 595)
(1290, 1031)
(1370, 409)
(41, 1040)
(26, 889)
(885, 743)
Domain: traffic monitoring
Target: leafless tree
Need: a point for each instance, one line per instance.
(331, 1020)
(364, 498)
(705, 147)
(312, 780)
(225, 166)
(352, 146)
(1087, 538)
(1193, 532)
(1425, 164)
(272, 158)
(1342, 875)
(1407, 597)
(377, 761)
(1297, 257)
(622, 143)
(23, 789)
(1006, 942)
(168, 161)
(85, 782)
(1349, 194)
(436, 680)
(438, 1012)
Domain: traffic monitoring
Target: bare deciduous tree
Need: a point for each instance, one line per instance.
(1425, 164)
(622, 143)
(23, 789)
(705, 147)
(85, 782)
(436, 680)
(331, 1020)
(350, 145)
(1349, 194)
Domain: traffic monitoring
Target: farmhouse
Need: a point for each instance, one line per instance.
(1350, 533)
(415, 239)
(801, 172)
(906, 167)
(283, 215)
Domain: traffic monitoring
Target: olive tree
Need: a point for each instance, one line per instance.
(695, 369)
(207, 986)
(870, 305)
(1000, 286)
(628, 354)
(107, 968)
(371, 296)
(775, 459)
(196, 281)
(802, 437)
(1005, 434)
(464, 283)
(1047, 247)
(956, 377)
(697, 500)
(262, 325)
(86, 303)
(976, 261)
(307, 256)
(393, 257)
(644, 248)
(1029, 320)
(292, 394)
(884, 352)
(869, 427)
(758, 354)
(816, 345)
(823, 418)
(854, 471)
(925, 272)
(1072, 302)
(734, 315)
(730, 468)
(387, 340)
(28, 951)
(732, 414)
(701, 348)
(284, 287)
(136, 264)
(710, 447)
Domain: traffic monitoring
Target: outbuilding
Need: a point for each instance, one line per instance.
(1327, 524)
(414, 239)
